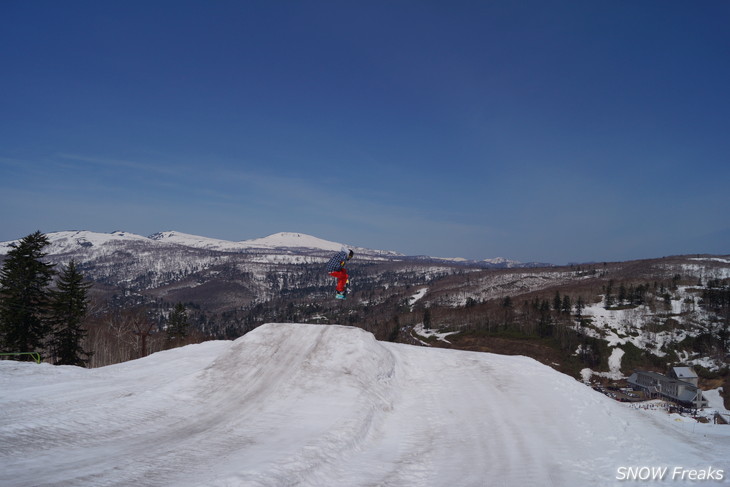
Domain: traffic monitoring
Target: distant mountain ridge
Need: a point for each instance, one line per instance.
(277, 240)
(221, 275)
(61, 241)
(65, 241)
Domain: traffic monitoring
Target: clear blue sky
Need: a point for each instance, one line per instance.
(554, 131)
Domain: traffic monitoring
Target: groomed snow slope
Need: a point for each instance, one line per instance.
(321, 405)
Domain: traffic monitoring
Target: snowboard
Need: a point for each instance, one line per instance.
(343, 295)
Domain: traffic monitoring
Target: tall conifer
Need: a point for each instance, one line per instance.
(178, 324)
(24, 296)
(68, 308)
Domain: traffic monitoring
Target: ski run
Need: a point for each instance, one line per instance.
(328, 405)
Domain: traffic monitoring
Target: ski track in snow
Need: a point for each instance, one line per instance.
(321, 405)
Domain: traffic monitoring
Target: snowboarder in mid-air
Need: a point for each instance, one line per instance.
(336, 268)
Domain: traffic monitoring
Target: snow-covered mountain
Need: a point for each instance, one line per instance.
(275, 241)
(501, 261)
(69, 241)
(217, 275)
(312, 405)
(124, 257)
(166, 264)
(495, 263)
(66, 241)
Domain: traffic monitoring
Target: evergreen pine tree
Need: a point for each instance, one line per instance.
(69, 303)
(544, 327)
(427, 319)
(609, 296)
(579, 306)
(177, 324)
(567, 305)
(507, 306)
(557, 302)
(24, 296)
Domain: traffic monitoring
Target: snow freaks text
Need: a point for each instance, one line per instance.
(669, 473)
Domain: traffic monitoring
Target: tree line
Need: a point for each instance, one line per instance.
(43, 310)
(38, 314)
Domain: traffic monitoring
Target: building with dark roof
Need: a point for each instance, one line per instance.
(672, 387)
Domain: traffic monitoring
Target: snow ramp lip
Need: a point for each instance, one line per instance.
(292, 359)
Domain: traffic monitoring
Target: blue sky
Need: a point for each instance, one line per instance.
(561, 131)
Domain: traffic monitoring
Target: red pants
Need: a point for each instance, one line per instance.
(342, 277)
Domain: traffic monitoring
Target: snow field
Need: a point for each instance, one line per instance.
(327, 405)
